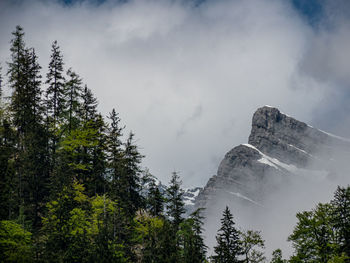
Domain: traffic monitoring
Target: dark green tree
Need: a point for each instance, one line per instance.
(190, 239)
(175, 204)
(175, 210)
(277, 257)
(341, 218)
(15, 243)
(27, 115)
(155, 199)
(313, 237)
(88, 110)
(228, 248)
(114, 154)
(55, 97)
(130, 177)
(73, 90)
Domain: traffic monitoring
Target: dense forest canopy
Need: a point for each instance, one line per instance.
(73, 189)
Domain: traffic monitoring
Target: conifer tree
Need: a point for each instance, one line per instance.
(228, 248)
(26, 108)
(114, 153)
(155, 200)
(73, 91)
(131, 171)
(175, 204)
(17, 79)
(7, 151)
(175, 210)
(55, 96)
(192, 247)
(98, 158)
(88, 109)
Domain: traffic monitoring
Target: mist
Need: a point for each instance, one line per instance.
(280, 198)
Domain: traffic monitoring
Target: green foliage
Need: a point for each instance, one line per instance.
(341, 218)
(148, 235)
(175, 204)
(15, 243)
(228, 247)
(339, 259)
(322, 234)
(252, 245)
(277, 257)
(73, 91)
(109, 229)
(313, 237)
(155, 200)
(190, 240)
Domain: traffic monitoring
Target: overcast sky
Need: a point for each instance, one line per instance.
(186, 76)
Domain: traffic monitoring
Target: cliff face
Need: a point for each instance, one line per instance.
(279, 148)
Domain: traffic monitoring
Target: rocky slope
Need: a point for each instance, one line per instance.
(279, 148)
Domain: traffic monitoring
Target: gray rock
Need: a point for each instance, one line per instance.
(279, 147)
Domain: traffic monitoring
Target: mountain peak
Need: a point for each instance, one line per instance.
(278, 146)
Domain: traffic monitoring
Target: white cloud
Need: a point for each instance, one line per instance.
(171, 68)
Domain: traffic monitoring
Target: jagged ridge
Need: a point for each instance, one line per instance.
(279, 146)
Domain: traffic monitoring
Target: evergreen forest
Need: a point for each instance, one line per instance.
(72, 186)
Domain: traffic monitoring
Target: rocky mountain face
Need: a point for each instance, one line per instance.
(279, 148)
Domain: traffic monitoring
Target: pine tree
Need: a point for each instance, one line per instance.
(175, 204)
(192, 247)
(73, 91)
(155, 200)
(17, 79)
(27, 114)
(7, 167)
(114, 153)
(55, 96)
(131, 171)
(88, 109)
(98, 158)
(228, 247)
(175, 210)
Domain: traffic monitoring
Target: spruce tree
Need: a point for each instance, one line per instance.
(114, 151)
(228, 248)
(175, 204)
(17, 79)
(55, 96)
(27, 115)
(73, 91)
(88, 110)
(155, 200)
(131, 171)
(192, 247)
(175, 210)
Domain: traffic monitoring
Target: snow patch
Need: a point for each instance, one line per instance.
(239, 195)
(266, 161)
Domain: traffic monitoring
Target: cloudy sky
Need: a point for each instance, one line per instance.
(186, 76)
